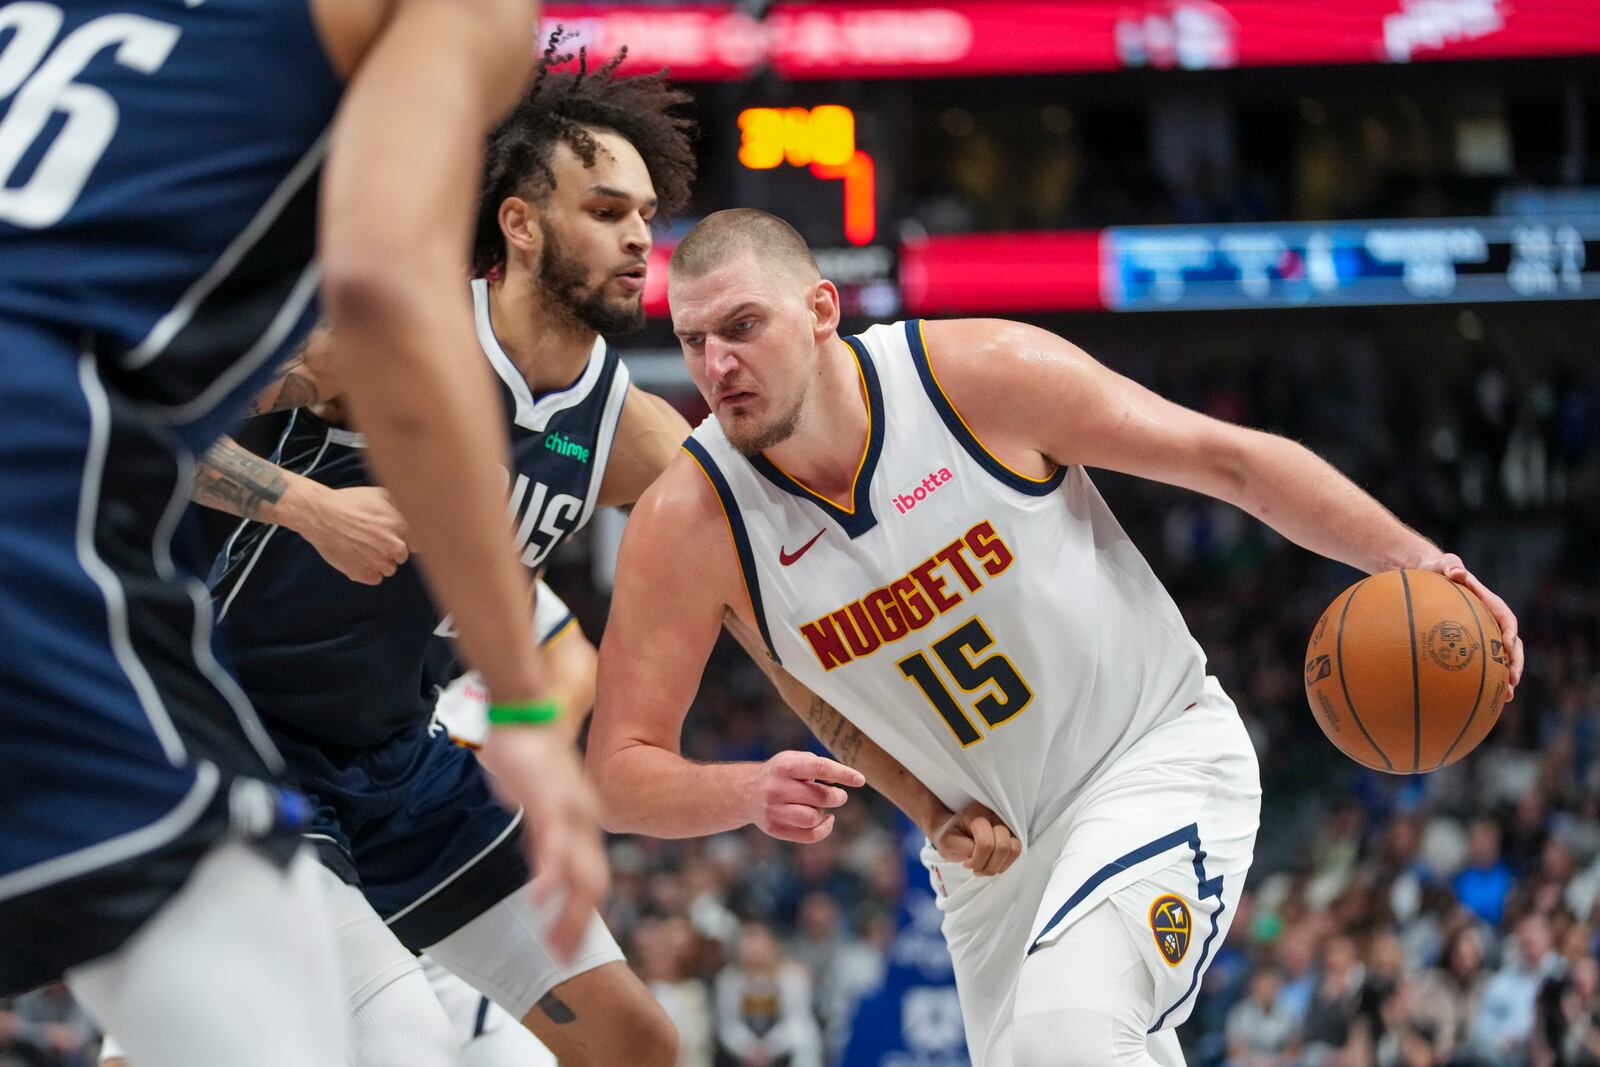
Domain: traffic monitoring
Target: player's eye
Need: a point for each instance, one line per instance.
(744, 325)
(603, 213)
(692, 340)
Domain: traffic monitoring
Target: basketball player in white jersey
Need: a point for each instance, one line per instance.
(905, 518)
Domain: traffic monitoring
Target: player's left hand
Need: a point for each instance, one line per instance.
(537, 768)
(976, 838)
(1451, 567)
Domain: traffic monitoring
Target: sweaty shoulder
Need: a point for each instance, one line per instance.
(650, 435)
(679, 532)
(1006, 380)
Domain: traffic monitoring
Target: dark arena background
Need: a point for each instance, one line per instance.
(1371, 225)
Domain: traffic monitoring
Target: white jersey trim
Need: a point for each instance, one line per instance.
(531, 414)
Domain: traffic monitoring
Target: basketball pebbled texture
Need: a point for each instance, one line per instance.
(1406, 671)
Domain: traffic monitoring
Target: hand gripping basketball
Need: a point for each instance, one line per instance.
(792, 792)
(1451, 567)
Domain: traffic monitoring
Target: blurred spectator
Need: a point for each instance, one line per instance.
(1483, 883)
(1261, 1031)
(1503, 1029)
(1336, 1000)
(764, 1016)
(663, 952)
(46, 1028)
(857, 969)
(1448, 997)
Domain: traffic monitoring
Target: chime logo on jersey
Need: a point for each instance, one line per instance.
(1170, 922)
(562, 445)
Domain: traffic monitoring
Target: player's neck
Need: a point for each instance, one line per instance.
(547, 345)
(826, 448)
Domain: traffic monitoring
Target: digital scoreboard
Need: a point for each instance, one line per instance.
(1394, 262)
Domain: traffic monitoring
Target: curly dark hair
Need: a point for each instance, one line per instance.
(562, 106)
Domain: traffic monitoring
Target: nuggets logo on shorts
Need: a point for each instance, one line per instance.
(1170, 923)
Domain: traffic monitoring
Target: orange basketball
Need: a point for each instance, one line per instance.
(1406, 672)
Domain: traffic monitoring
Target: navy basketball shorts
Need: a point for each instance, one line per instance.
(414, 823)
(128, 750)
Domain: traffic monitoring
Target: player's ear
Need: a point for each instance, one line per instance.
(519, 223)
(824, 310)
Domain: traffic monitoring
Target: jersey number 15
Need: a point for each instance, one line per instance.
(1009, 696)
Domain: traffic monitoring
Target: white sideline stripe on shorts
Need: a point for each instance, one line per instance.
(168, 326)
(264, 348)
(463, 869)
(147, 838)
(144, 686)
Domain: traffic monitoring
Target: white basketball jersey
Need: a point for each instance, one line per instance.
(999, 635)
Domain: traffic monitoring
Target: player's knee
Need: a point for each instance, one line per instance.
(1074, 1037)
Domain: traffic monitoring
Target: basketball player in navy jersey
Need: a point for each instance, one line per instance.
(905, 518)
(157, 224)
(345, 671)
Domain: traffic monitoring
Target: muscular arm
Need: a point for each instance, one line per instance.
(673, 573)
(233, 479)
(1038, 400)
(847, 743)
(649, 437)
(356, 530)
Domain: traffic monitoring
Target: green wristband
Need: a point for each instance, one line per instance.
(526, 713)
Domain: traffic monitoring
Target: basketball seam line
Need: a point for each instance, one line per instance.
(1483, 674)
(1416, 681)
(1338, 650)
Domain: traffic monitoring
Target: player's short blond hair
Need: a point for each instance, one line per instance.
(721, 235)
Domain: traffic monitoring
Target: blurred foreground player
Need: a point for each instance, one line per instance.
(485, 1034)
(905, 518)
(156, 238)
(345, 674)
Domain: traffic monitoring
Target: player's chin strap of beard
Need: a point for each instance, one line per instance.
(1087, 1001)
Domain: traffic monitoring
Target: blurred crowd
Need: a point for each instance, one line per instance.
(1449, 919)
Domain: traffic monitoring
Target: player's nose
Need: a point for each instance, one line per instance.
(636, 238)
(721, 362)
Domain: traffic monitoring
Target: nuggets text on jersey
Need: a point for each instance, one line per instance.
(910, 602)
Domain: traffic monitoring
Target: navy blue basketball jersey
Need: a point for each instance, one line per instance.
(329, 659)
(159, 164)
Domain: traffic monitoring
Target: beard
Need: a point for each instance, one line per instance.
(563, 281)
(753, 440)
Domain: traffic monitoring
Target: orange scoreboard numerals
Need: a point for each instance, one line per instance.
(822, 138)
(797, 136)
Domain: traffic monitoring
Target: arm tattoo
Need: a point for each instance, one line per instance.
(231, 478)
(557, 1009)
(291, 387)
(834, 731)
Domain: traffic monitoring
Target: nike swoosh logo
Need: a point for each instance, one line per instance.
(786, 558)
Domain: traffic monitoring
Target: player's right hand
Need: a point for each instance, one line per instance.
(538, 768)
(976, 838)
(792, 792)
(1451, 567)
(359, 533)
